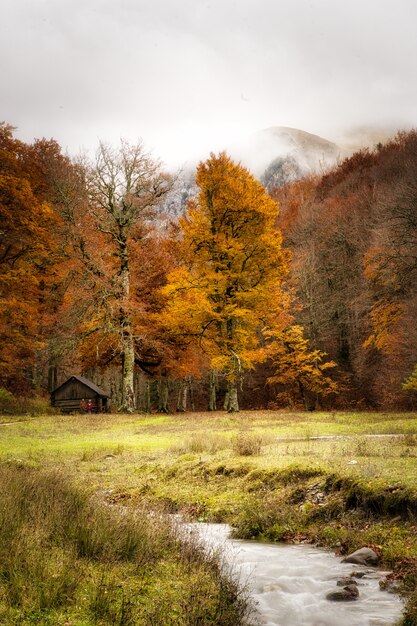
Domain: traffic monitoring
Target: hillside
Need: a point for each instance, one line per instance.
(279, 154)
(352, 234)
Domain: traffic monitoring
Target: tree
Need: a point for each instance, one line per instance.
(27, 223)
(298, 368)
(227, 291)
(109, 230)
(411, 383)
(352, 234)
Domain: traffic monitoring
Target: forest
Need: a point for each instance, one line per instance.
(303, 296)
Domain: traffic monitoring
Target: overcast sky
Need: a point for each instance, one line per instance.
(190, 76)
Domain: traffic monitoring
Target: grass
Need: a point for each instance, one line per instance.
(66, 558)
(273, 475)
(281, 438)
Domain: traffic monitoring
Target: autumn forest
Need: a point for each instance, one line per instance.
(303, 296)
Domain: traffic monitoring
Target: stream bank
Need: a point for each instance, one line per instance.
(290, 584)
(295, 505)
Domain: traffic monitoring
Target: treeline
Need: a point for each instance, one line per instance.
(353, 238)
(310, 306)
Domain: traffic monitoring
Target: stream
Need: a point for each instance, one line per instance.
(288, 583)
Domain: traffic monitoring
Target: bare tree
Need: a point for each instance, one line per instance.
(107, 224)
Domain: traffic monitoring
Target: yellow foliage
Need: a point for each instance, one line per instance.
(384, 318)
(228, 289)
(298, 366)
(411, 383)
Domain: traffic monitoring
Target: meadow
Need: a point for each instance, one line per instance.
(342, 480)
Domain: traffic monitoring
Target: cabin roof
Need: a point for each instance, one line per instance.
(85, 382)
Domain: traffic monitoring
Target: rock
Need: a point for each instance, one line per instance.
(390, 585)
(355, 574)
(315, 495)
(363, 556)
(347, 580)
(348, 593)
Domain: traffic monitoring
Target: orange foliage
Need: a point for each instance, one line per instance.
(27, 224)
(228, 289)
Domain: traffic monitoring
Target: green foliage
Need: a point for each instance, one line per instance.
(8, 403)
(12, 405)
(411, 383)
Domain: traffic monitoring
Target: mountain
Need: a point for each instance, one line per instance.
(280, 154)
(360, 137)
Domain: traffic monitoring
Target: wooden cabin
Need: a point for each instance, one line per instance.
(74, 394)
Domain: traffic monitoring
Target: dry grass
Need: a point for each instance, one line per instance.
(68, 558)
(253, 468)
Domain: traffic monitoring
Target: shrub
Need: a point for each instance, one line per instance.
(247, 444)
(12, 405)
(8, 403)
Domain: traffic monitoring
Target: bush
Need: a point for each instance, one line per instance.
(11, 405)
(247, 444)
(8, 403)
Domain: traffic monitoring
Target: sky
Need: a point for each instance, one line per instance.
(193, 76)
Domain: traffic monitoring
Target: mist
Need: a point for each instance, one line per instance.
(190, 77)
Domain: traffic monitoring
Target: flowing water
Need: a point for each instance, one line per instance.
(289, 583)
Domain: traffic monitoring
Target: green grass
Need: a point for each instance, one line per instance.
(284, 438)
(68, 558)
(256, 470)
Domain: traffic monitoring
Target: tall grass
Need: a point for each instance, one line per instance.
(63, 553)
(247, 444)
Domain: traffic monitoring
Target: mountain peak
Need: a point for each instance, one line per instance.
(285, 153)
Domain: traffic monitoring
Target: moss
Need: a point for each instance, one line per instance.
(234, 469)
(274, 478)
(376, 500)
(391, 501)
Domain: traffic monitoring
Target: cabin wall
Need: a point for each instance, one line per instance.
(68, 406)
(74, 390)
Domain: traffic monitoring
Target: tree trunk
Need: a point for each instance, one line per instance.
(182, 396)
(190, 381)
(128, 395)
(231, 403)
(127, 340)
(163, 395)
(212, 391)
(147, 405)
(52, 377)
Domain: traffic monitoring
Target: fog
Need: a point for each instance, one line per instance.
(192, 76)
